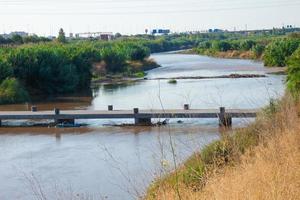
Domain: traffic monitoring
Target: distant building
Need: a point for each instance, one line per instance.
(160, 32)
(106, 36)
(215, 30)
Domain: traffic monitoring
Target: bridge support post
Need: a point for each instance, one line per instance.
(224, 119)
(186, 106)
(139, 120)
(62, 121)
(34, 109)
(0, 123)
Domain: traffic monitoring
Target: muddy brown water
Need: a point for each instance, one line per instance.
(102, 161)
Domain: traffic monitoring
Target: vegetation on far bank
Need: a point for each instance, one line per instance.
(274, 51)
(49, 68)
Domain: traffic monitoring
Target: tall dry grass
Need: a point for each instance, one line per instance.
(269, 169)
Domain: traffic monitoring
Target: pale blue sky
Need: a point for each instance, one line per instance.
(45, 17)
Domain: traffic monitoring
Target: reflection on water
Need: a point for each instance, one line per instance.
(118, 162)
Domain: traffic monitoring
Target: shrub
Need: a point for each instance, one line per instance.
(114, 58)
(11, 91)
(277, 52)
(293, 81)
(258, 50)
(221, 46)
(139, 52)
(5, 70)
(246, 45)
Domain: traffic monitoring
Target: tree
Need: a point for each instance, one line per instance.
(11, 91)
(17, 39)
(139, 52)
(5, 70)
(114, 58)
(277, 52)
(221, 46)
(246, 45)
(61, 36)
(293, 80)
(2, 40)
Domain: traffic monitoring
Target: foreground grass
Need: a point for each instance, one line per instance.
(257, 162)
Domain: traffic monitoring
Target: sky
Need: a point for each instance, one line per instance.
(45, 17)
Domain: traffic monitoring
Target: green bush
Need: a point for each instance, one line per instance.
(246, 45)
(277, 53)
(5, 70)
(139, 52)
(258, 50)
(11, 91)
(293, 81)
(221, 46)
(115, 59)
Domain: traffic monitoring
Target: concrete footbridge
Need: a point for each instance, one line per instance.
(141, 117)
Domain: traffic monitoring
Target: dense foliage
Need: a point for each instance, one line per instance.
(11, 91)
(294, 73)
(277, 52)
(17, 40)
(62, 66)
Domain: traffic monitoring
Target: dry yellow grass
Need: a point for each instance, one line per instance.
(270, 170)
(271, 173)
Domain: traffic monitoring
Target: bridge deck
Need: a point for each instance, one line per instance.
(122, 114)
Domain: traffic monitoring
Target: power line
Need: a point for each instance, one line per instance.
(279, 4)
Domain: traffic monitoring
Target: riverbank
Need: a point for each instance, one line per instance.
(247, 161)
(137, 72)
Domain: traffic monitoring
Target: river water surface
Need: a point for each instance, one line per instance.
(104, 161)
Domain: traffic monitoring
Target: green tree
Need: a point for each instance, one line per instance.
(139, 52)
(258, 50)
(5, 70)
(114, 58)
(221, 46)
(293, 81)
(61, 36)
(277, 53)
(11, 91)
(246, 45)
(17, 39)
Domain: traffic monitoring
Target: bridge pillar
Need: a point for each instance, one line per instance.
(110, 108)
(224, 119)
(62, 121)
(34, 109)
(0, 123)
(186, 106)
(139, 120)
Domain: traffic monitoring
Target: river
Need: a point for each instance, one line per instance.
(109, 162)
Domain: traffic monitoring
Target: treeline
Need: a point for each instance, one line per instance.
(18, 40)
(54, 68)
(274, 51)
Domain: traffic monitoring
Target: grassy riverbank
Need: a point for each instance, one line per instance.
(257, 162)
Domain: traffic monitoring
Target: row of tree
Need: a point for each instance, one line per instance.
(273, 51)
(56, 68)
(18, 40)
